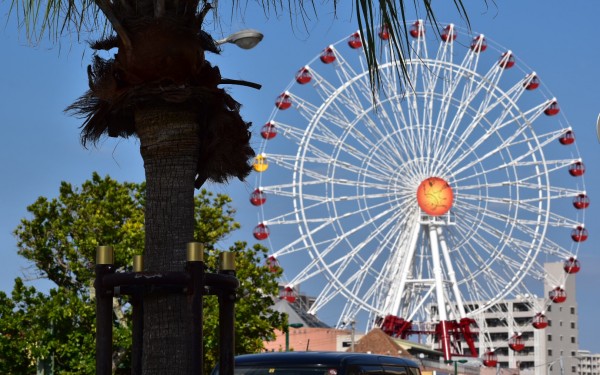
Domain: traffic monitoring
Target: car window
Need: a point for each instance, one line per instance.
(364, 370)
(283, 370)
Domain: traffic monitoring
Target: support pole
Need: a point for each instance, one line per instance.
(104, 296)
(195, 266)
(352, 338)
(227, 317)
(137, 317)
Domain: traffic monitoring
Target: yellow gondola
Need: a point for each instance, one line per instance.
(260, 163)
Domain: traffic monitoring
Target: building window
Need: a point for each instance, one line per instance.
(549, 337)
(572, 310)
(560, 323)
(549, 308)
(573, 340)
(549, 323)
(549, 352)
(573, 325)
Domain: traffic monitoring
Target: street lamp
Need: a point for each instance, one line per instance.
(287, 334)
(456, 364)
(245, 39)
(562, 368)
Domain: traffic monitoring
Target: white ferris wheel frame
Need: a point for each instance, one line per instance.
(398, 286)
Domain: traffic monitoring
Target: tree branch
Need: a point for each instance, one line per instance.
(107, 9)
(226, 81)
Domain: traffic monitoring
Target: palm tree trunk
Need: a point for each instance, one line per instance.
(170, 148)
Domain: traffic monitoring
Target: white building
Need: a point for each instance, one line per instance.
(588, 364)
(548, 351)
(562, 333)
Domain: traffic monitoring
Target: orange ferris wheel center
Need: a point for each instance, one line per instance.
(435, 196)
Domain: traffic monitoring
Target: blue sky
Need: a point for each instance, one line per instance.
(39, 145)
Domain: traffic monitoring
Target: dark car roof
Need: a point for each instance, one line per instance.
(318, 358)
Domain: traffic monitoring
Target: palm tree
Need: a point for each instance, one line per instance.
(160, 88)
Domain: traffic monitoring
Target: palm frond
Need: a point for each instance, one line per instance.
(392, 14)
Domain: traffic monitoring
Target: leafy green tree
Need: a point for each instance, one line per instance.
(57, 329)
(160, 88)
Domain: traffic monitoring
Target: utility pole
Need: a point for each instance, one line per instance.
(352, 324)
(562, 367)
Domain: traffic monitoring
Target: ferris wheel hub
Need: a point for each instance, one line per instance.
(435, 196)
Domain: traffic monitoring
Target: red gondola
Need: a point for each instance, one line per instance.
(417, 30)
(507, 60)
(273, 264)
(533, 83)
(354, 41)
(539, 321)
(268, 131)
(516, 343)
(558, 295)
(490, 359)
(328, 56)
(577, 169)
(579, 234)
(572, 265)
(552, 109)
(384, 33)
(288, 294)
(478, 44)
(258, 197)
(261, 232)
(581, 201)
(283, 101)
(567, 138)
(449, 34)
(303, 76)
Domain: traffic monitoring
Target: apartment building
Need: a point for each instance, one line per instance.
(588, 363)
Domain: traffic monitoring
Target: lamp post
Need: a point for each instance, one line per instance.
(456, 364)
(562, 369)
(245, 39)
(287, 334)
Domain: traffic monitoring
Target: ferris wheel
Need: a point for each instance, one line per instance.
(420, 206)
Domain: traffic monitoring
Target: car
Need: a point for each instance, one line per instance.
(322, 363)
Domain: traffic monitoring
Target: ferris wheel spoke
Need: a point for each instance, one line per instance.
(553, 249)
(362, 226)
(290, 132)
(338, 269)
(391, 85)
(400, 146)
(506, 146)
(296, 246)
(308, 111)
(532, 170)
(479, 261)
(471, 91)
(354, 284)
(349, 94)
(495, 127)
(379, 161)
(471, 291)
(522, 225)
(387, 144)
(454, 77)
